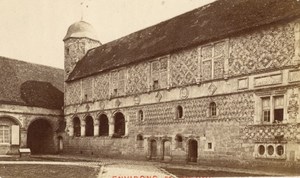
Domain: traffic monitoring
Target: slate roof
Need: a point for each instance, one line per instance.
(28, 84)
(208, 23)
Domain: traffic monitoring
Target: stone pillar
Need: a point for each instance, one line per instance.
(96, 128)
(82, 129)
(126, 127)
(70, 128)
(23, 138)
(111, 129)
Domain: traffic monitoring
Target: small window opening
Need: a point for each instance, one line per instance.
(67, 51)
(140, 141)
(270, 150)
(261, 149)
(179, 112)
(280, 150)
(115, 92)
(209, 145)
(141, 115)
(155, 85)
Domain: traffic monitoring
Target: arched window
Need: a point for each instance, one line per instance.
(212, 109)
(119, 125)
(141, 115)
(76, 127)
(140, 141)
(179, 112)
(103, 125)
(89, 126)
(179, 141)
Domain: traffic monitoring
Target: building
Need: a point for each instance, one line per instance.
(31, 101)
(217, 84)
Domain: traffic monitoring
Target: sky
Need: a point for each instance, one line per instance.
(32, 30)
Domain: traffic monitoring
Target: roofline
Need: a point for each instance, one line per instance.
(230, 34)
(8, 58)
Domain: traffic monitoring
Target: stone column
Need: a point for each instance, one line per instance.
(70, 128)
(126, 127)
(96, 128)
(82, 129)
(111, 129)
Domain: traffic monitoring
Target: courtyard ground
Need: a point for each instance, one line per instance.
(90, 167)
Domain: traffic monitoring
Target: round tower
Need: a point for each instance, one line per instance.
(80, 38)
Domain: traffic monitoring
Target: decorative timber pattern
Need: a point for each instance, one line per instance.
(184, 67)
(101, 87)
(137, 78)
(272, 48)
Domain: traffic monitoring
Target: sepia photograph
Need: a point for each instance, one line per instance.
(149, 88)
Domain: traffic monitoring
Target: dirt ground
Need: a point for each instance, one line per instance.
(47, 171)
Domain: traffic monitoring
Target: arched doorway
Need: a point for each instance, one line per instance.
(76, 127)
(103, 125)
(119, 124)
(89, 126)
(153, 149)
(192, 150)
(40, 138)
(166, 150)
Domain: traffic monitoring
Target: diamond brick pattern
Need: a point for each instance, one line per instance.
(272, 48)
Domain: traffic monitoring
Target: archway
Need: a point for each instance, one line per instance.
(76, 127)
(153, 149)
(119, 124)
(89, 126)
(40, 138)
(166, 149)
(192, 150)
(103, 125)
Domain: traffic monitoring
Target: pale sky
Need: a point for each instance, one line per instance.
(32, 30)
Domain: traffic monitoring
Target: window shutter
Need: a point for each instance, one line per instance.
(15, 135)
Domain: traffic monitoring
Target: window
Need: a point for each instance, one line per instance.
(270, 151)
(141, 115)
(266, 109)
(76, 127)
(155, 85)
(272, 109)
(212, 109)
(179, 112)
(159, 73)
(209, 145)
(278, 109)
(4, 134)
(67, 51)
(261, 149)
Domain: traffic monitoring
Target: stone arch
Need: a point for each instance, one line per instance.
(40, 136)
(76, 126)
(153, 150)
(192, 150)
(89, 126)
(103, 125)
(166, 149)
(15, 120)
(119, 124)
